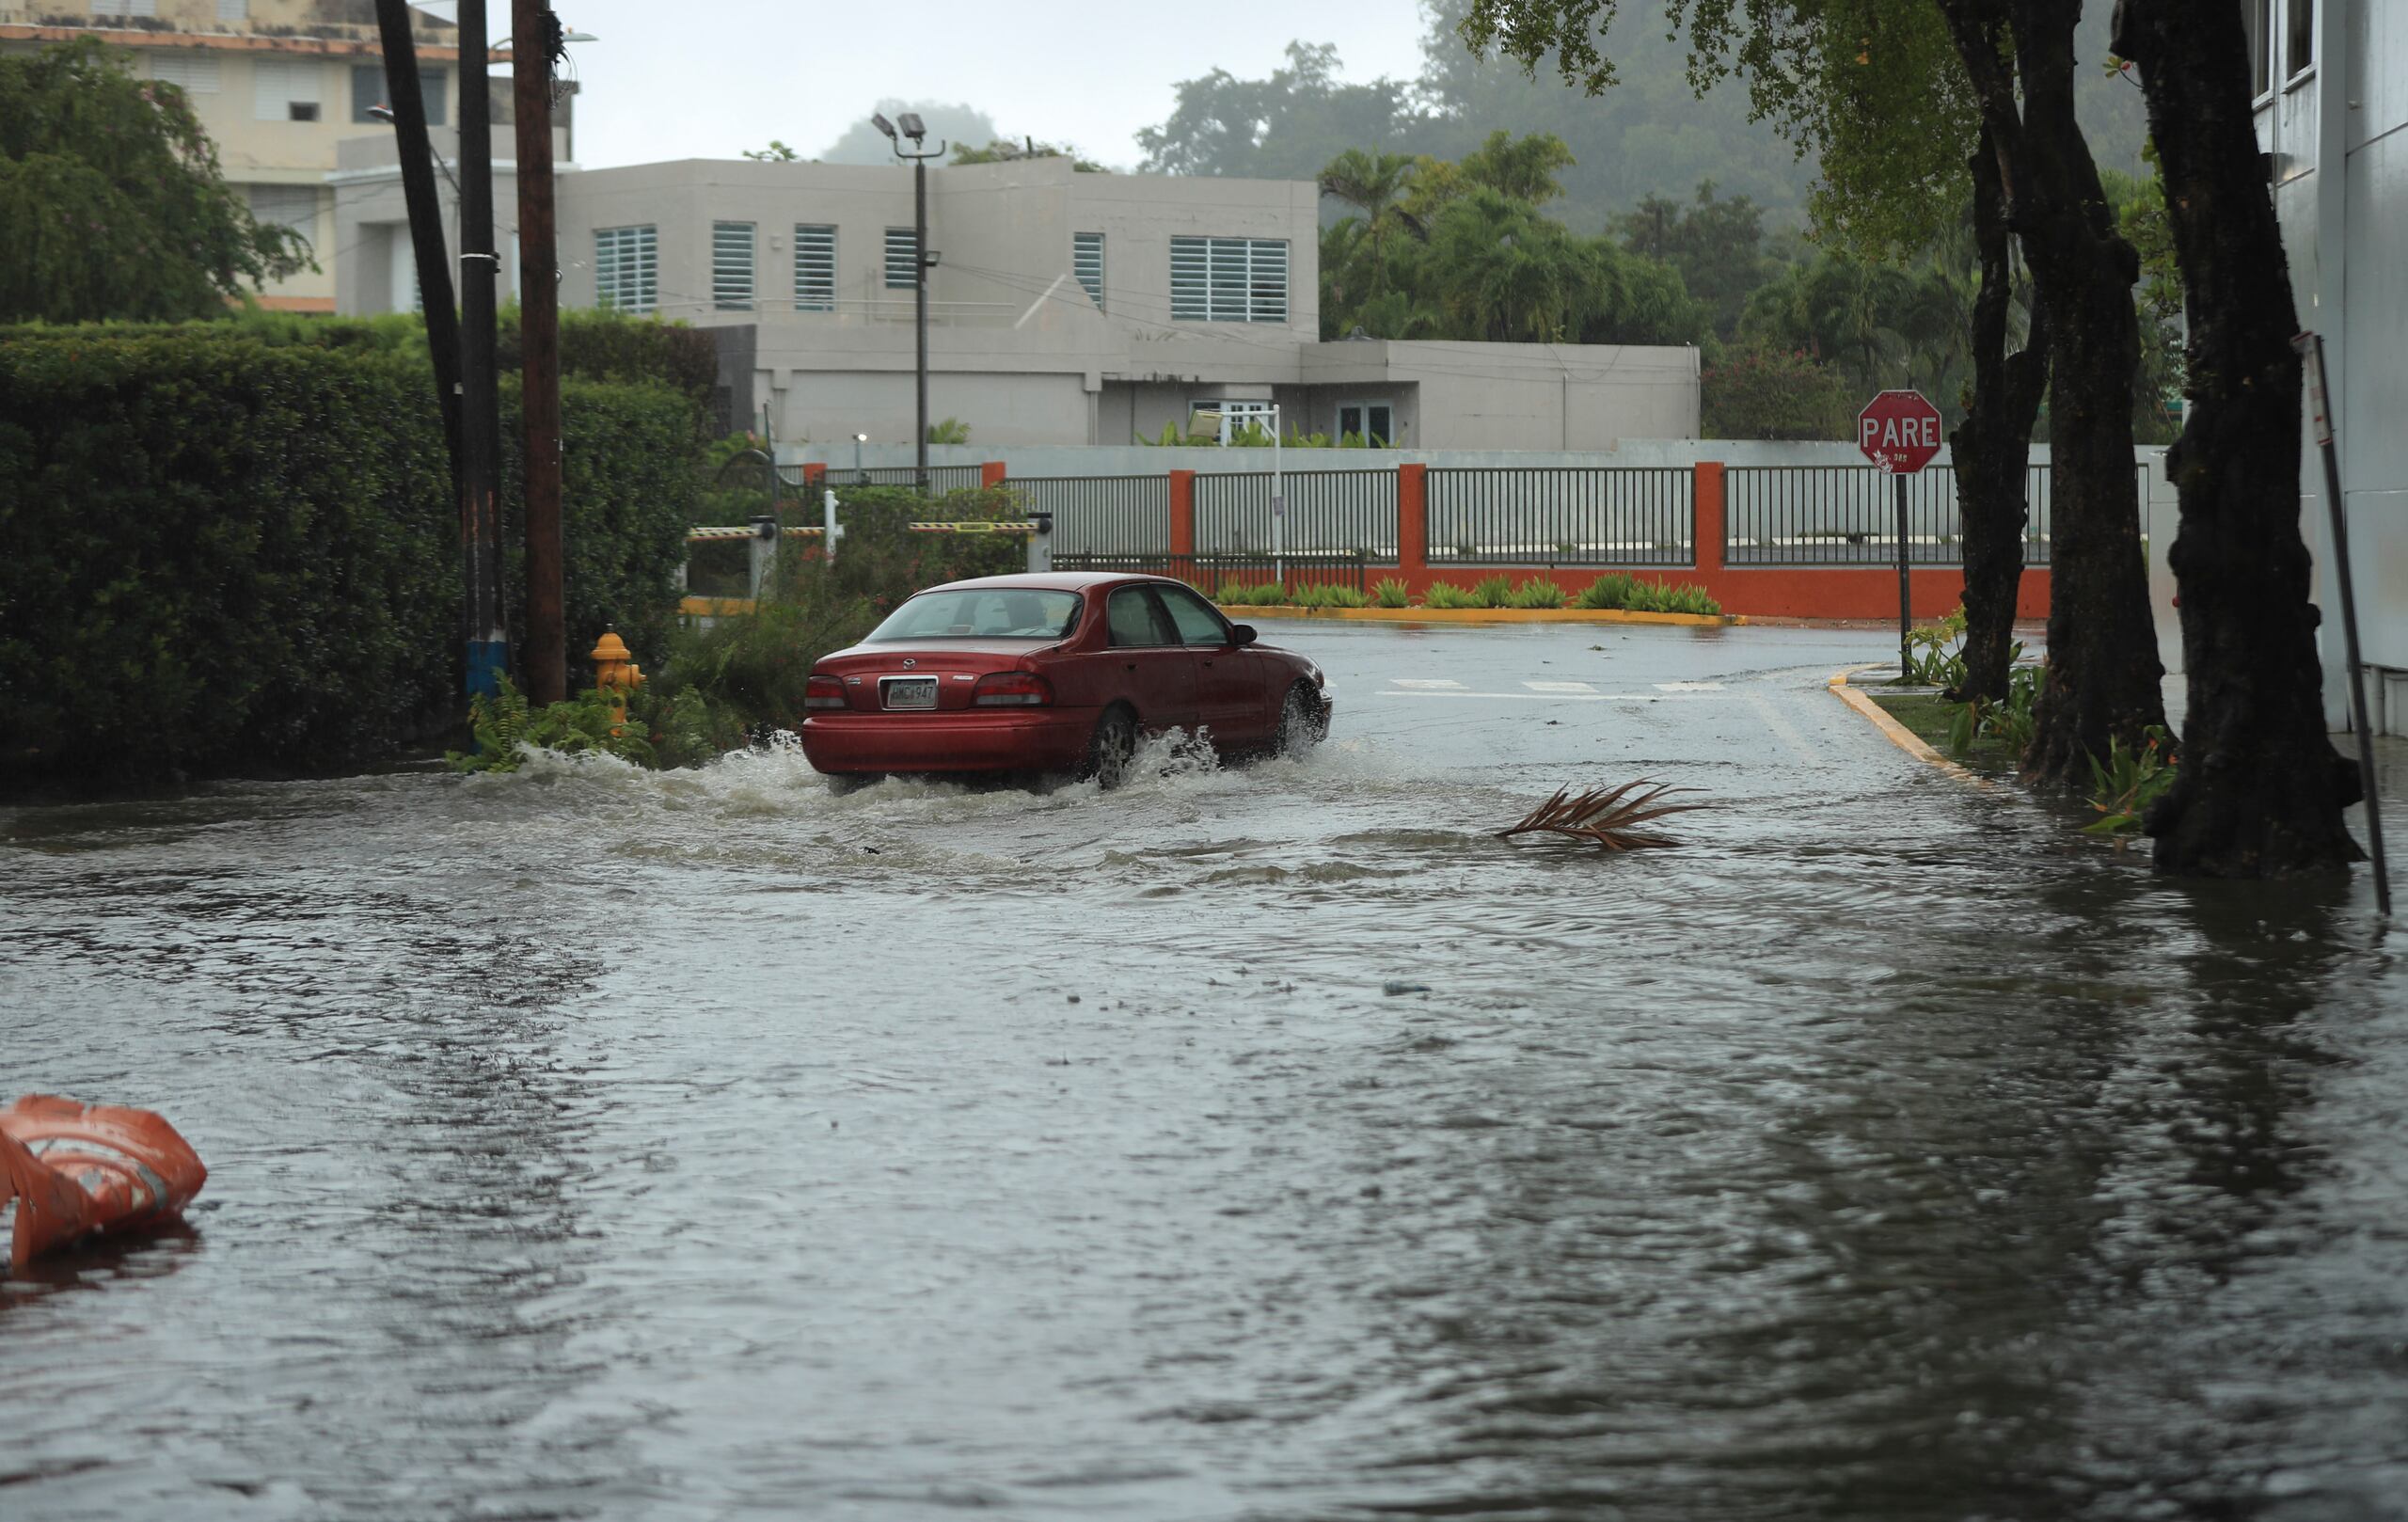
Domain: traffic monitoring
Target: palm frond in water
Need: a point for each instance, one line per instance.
(1608, 815)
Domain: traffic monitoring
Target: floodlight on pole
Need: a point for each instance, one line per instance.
(913, 127)
(878, 120)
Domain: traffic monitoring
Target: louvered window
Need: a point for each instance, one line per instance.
(627, 268)
(902, 258)
(233, 9)
(1228, 279)
(814, 269)
(196, 72)
(1086, 261)
(731, 266)
(284, 89)
(285, 206)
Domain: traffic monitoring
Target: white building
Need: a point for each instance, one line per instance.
(2333, 113)
(1064, 307)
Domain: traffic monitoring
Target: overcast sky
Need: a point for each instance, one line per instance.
(709, 78)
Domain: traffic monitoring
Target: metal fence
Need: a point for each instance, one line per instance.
(1848, 516)
(1561, 516)
(1101, 515)
(1211, 573)
(1328, 512)
(942, 477)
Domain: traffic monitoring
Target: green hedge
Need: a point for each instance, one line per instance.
(217, 555)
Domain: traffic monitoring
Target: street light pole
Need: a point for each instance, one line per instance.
(536, 32)
(910, 126)
(407, 113)
(480, 390)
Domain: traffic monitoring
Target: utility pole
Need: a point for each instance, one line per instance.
(911, 127)
(536, 41)
(480, 390)
(427, 243)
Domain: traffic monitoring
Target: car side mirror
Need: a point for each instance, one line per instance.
(1242, 634)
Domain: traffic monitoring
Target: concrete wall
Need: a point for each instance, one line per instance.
(373, 266)
(2344, 232)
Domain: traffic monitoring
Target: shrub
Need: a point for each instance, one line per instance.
(1391, 591)
(1493, 592)
(1537, 592)
(1611, 590)
(1342, 597)
(222, 554)
(1768, 393)
(1447, 594)
(1661, 597)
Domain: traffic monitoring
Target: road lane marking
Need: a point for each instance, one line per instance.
(1689, 687)
(1560, 687)
(1573, 697)
(1433, 685)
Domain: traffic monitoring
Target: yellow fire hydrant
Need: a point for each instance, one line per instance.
(616, 674)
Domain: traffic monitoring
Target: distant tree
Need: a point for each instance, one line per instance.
(111, 204)
(1002, 151)
(1717, 245)
(1767, 392)
(862, 143)
(1285, 127)
(777, 152)
(1375, 184)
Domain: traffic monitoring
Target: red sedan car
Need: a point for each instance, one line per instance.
(1053, 673)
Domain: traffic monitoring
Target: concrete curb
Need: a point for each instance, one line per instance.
(1237, 613)
(1899, 734)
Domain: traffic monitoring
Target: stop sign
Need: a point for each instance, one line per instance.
(1899, 432)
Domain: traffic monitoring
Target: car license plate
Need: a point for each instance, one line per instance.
(910, 691)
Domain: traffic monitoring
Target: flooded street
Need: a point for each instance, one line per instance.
(590, 1143)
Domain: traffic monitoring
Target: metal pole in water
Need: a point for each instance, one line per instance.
(1278, 507)
(1906, 603)
(2311, 348)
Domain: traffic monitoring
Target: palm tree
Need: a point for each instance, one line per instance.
(1375, 183)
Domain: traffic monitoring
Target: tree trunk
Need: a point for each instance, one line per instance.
(1992, 447)
(2103, 669)
(2261, 790)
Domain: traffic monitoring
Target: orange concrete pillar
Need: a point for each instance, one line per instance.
(1706, 518)
(1182, 513)
(992, 473)
(814, 476)
(1412, 523)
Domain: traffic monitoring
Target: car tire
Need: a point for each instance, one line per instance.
(1304, 720)
(845, 784)
(1109, 750)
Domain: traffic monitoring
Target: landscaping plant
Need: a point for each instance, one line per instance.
(1391, 591)
(2123, 787)
(1537, 592)
(1493, 592)
(1446, 594)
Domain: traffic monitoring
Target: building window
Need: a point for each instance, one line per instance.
(1374, 422)
(731, 266)
(285, 206)
(126, 7)
(1086, 261)
(284, 89)
(1228, 279)
(627, 268)
(902, 251)
(233, 9)
(2299, 51)
(815, 269)
(195, 72)
(1222, 416)
(2258, 15)
(368, 87)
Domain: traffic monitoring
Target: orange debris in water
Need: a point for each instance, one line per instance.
(78, 1169)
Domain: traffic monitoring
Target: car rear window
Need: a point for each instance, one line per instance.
(981, 613)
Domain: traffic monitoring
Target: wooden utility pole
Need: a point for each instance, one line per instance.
(427, 245)
(479, 388)
(536, 41)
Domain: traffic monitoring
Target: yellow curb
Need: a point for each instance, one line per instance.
(1237, 612)
(1899, 734)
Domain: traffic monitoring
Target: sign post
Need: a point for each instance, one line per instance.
(1899, 432)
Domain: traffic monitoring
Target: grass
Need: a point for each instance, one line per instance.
(1928, 719)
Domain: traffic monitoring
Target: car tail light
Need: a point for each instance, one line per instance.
(1011, 690)
(824, 692)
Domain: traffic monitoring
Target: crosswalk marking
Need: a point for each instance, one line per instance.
(1558, 687)
(1689, 687)
(1430, 685)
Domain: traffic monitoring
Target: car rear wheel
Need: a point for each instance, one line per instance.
(1302, 720)
(841, 784)
(1108, 753)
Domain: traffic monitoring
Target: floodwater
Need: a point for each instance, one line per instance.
(592, 1143)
